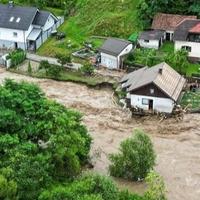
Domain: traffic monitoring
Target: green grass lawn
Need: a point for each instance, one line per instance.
(192, 99)
(167, 47)
(75, 38)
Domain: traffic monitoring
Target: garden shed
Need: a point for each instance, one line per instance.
(113, 52)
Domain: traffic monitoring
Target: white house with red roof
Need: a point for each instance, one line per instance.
(187, 36)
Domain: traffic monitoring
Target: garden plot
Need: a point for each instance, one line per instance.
(177, 144)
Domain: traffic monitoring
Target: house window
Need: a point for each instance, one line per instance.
(145, 101)
(187, 48)
(147, 41)
(152, 91)
(15, 34)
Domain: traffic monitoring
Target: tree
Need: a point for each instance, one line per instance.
(8, 187)
(135, 159)
(178, 60)
(148, 8)
(156, 187)
(87, 69)
(63, 59)
(52, 71)
(41, 141)
(90, 186)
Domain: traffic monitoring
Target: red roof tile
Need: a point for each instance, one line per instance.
(169, 22)
(195, 29)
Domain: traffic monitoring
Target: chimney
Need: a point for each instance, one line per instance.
(11, 4)
(160, 71)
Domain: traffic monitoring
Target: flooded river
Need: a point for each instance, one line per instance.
(177, 144)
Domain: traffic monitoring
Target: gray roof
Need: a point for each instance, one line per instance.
(114, 46)
(169, 81)
(151, 35)
(41, 18)
(25, 14)
(34, 34)
(182, 31)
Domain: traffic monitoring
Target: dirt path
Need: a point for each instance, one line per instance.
(177, 143)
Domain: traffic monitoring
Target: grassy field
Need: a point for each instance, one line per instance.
(104, 18)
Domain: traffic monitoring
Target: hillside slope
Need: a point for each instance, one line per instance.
(114, 18)
(108, 17)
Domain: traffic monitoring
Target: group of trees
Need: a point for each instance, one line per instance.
(148, 8)
(41, 142)
(150, 57)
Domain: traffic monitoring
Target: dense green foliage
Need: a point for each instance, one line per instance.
(150, 57)
(41, 142)
(52, 71)
(63, 59)
(16, 57)
(88, 187)
(148, 8)
(87, 69)
(135, 159)
(156, 187)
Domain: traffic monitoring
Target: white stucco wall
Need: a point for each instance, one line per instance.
(7, 38)
(195, 51)
(50, 22)
(113, 62)
(159, 104)
(152, 44)
(127, 50)
(109, 61)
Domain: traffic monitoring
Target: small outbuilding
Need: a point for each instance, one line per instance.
(113, 52)
(151, 39)
(157, 88)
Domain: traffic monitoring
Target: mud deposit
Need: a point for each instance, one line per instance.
(177, 143)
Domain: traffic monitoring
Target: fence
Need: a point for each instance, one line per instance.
(44, 36)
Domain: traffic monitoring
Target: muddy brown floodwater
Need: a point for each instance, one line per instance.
(177, 144)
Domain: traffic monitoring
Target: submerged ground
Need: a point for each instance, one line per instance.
(177, 144)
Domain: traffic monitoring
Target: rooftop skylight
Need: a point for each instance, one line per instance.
(18, 19)
(11, 19)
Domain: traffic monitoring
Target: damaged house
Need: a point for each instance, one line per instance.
(157, 88)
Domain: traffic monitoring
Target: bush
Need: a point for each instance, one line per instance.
(156, 187)
(52, 71)
(136, 158)
(87, 69)
(86, 187)
(125, 195)
(63, 59)
(17, 57)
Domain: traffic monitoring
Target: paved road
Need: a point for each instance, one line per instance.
(51, 60)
